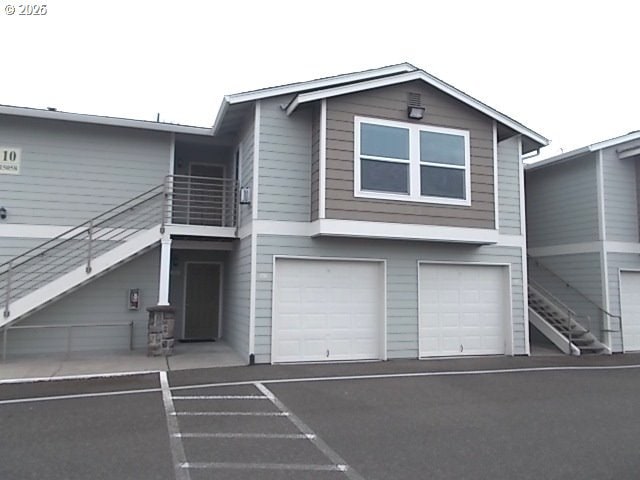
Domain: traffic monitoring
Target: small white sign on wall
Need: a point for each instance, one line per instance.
(10, 160)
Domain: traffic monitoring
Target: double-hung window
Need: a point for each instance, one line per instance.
(402, 161)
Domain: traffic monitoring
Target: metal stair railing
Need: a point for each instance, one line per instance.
(78, 246)
(180, 199)
(205, 201)
(582, 295)
(562, 309)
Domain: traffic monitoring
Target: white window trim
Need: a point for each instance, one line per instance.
(414, 163)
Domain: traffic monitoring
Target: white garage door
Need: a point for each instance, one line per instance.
(463, 309)
(327, 310)
(630, 305)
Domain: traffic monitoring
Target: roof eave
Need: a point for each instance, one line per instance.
(100, 120)
(563, 157)
(319, 83)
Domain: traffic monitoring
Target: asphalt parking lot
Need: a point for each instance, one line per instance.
(495, 418)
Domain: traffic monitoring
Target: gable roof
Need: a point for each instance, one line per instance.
(237, 99)
(594, 147)
(314, 90)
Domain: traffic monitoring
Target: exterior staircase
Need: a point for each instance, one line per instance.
(560, 324)
(59, 266)
(65, 263)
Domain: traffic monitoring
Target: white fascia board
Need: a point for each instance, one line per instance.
(410, 76)
(435, 233)
(201, 231)
(100, 120)
(558, 158)
(581, 151)
(222, 111)
(320, 83)
(389, 231)
(612, 142)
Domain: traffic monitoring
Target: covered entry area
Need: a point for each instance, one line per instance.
(197, 289)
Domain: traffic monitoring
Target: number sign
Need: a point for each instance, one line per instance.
(10, 161)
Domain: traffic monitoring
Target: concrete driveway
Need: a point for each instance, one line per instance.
(494, 418)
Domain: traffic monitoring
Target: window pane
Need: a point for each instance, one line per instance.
(441, 148)
(442, 182)
(383, 141)
(384, 176)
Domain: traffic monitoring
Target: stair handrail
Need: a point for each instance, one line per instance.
(568, 285)
(551, 298)
(91, 223)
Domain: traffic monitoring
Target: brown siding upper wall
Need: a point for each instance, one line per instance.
(391, 103)
(315, 160)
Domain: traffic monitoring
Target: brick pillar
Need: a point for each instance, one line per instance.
(160, 330)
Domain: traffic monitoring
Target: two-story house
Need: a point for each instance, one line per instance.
(583, 236)
(371, 215)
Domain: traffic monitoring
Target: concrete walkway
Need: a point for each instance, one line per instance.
(186, 356)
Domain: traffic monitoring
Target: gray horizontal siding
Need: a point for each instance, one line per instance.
(620, 196)
(236, 297)
(402, 282)
(509, 186)
(562, 203)
(391, 103)
(101, 301)
(72, 172)
(246, 169)
(583, 273)
(285, 163)
(616, 262)
(315, 162)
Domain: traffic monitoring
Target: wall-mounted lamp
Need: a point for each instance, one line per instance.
(245, 196)
(415, 113)
(3, 213)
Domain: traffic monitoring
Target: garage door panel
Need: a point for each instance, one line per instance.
(630, 308)
(462, 309)
(337, 306)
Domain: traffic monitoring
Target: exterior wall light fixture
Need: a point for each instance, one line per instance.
(415, 113)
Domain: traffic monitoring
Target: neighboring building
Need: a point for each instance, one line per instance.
(371, 215)
(583, 236)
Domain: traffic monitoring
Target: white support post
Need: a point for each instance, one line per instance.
(165, 269)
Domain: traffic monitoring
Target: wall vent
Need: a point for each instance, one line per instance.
(414, 99)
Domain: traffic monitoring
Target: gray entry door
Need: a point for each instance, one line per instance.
(202, 301)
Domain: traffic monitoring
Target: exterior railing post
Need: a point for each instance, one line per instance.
(90, 247)
(7, 299)
(165, 206)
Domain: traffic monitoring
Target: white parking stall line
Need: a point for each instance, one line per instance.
(231, 414)
(337, 461)
(291, 436)
(175, 443)
(220, 397)
(265, 466)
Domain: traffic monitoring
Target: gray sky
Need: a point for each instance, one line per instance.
(568, 70)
